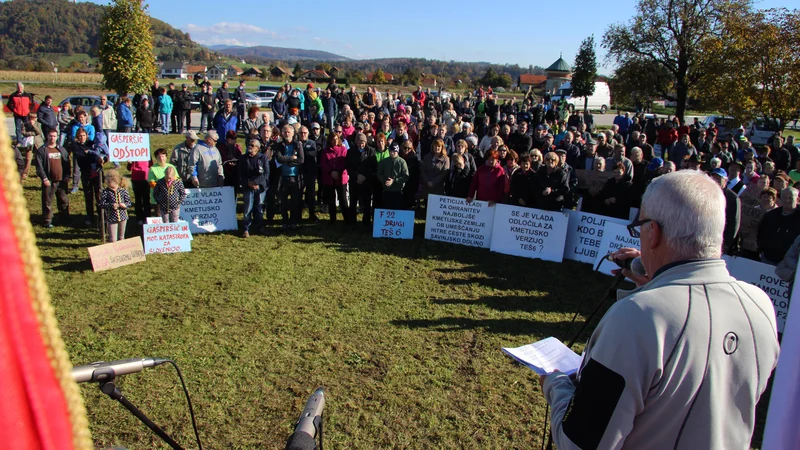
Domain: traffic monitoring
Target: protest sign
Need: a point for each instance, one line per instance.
(615, 237)
(584, 235)
(116, 254)
(451, 219)
(128, 147)
(167, 238)
(592, 180)
(528, 232)
(210, 209)
(156, 220)
(752, 213)
(763, 276)
(633, 214)
(393, 223)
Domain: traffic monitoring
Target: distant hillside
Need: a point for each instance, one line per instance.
(276, 53)
(36, 31)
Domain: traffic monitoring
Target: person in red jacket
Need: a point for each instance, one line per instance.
(490, 183)
(21, 104)
(419, 96)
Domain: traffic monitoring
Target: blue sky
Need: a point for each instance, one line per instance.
(518, 31)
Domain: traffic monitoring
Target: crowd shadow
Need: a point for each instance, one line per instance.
(514, 327)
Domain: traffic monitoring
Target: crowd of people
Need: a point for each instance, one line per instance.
(345, 152)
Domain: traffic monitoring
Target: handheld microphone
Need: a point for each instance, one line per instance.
(309, 425)
(103, 371)
(633, 264)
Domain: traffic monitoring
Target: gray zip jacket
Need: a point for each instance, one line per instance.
(679, 363)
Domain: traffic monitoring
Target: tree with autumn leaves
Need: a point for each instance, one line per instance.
(756, 62)
(126, 47)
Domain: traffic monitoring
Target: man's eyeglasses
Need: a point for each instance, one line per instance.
(338, 131)
(635, 227)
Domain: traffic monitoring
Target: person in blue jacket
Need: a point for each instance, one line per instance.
(164, 110)
(225, 119)
(125, 115)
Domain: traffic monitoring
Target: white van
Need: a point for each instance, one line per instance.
(761, 130)
(600, 100)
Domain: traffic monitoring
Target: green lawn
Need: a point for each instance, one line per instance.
(405, 336)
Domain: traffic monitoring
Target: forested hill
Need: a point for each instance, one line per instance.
(32, 28)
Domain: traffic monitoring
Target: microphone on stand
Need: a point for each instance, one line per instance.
(309, 426)
(103, 371)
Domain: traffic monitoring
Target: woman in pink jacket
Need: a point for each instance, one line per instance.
(334, 174)
(490, 181)
(141, 189)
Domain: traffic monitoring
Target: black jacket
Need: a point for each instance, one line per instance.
(733, 217)
(776, 233)
(558, 182)
(311, 157)
(145, 117)
(207, 102)
(183, 100)
(254, 169)
(361, 163)
(520, 143)
(522, 187)
(622, 192)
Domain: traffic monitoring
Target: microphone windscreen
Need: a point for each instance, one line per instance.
(301, 441)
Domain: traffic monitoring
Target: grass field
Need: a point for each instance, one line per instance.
(404, 335)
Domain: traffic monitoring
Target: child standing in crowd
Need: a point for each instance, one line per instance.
(170, 194)
(157, 171)
(115, 200)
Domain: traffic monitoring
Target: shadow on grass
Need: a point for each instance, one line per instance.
(66, 264)
(498, 326)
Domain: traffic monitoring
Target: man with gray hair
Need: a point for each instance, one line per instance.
(681, 361)
(206, 163)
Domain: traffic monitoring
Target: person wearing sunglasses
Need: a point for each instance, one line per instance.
(681, 361)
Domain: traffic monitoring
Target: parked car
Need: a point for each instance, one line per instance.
(267, 87)
(723, 123)
(86, 101)
(266, 98)
(761, 130)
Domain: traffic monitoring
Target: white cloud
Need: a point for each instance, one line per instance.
(236, 28)
(218, 40)
(322, 41)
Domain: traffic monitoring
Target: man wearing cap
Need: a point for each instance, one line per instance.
(393, 175)
(181, 154)
(206, 163)
(693, 161)
(253, 170)
(619, 156)
(586, 160)
(548, 146)
(735, 182)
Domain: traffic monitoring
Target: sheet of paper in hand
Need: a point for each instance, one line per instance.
(547, 356)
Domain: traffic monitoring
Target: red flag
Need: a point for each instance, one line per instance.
(34, 411)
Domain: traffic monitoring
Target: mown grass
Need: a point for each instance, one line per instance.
(404, 335)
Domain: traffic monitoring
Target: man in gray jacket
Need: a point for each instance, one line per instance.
(206, 163)
(681, 361)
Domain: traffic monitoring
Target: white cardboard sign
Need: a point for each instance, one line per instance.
(762, 276)
(210, 209)
(585, 234)
(128, 147)
(167, 238)
(452, 219)
(528, 232)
